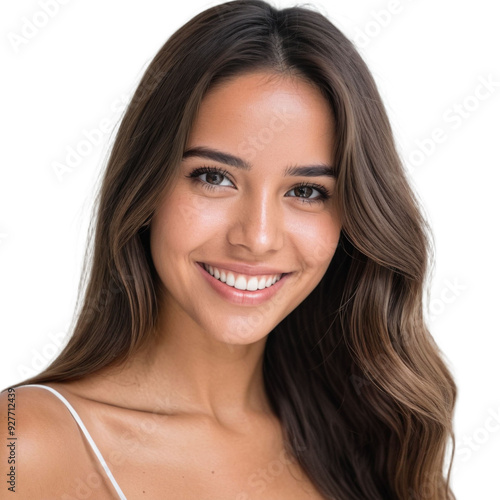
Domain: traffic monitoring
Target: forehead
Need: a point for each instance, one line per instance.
(262, 116)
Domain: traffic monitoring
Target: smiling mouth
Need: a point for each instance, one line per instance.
(241, 281)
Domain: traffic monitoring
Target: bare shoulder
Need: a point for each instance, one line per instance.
(45, 454)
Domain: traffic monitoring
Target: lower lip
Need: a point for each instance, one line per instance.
(243, 297)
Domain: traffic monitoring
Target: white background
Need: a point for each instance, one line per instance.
(429, 59)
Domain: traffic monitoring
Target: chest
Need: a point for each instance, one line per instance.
(179, 460)
(242, 481)
(211, 478)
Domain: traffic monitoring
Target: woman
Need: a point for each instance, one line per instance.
(252, 324)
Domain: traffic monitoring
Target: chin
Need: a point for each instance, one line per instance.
(241, 332)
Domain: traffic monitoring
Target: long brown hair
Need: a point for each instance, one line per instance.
(360, 387)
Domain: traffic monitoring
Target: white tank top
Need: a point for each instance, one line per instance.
(86, 434)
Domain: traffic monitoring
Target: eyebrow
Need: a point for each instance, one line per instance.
(316, 170)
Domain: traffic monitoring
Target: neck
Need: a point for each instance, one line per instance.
(184, 371)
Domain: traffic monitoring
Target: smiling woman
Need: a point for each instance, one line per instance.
(263, 260)
(252, 227)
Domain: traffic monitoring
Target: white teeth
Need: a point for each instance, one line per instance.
(241, 283)
(230, 279)
(252, 284)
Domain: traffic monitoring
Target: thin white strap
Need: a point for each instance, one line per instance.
(87, 435)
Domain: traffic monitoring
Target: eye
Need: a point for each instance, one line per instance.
(304, 191)
(213, 176)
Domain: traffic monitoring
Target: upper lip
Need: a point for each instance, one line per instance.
(253, 270)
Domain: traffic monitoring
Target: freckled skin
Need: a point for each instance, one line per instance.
(271, 123)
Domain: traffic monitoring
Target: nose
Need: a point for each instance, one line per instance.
(257, 224)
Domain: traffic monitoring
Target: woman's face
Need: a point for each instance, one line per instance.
(243, 203)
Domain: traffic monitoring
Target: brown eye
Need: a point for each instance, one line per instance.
(214, 178)
(302, 191)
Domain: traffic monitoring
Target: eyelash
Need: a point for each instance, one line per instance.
(324, 194)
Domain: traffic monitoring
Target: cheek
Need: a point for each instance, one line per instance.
(185, 221)
(198, 216)
(189, 211)
(317, 239)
